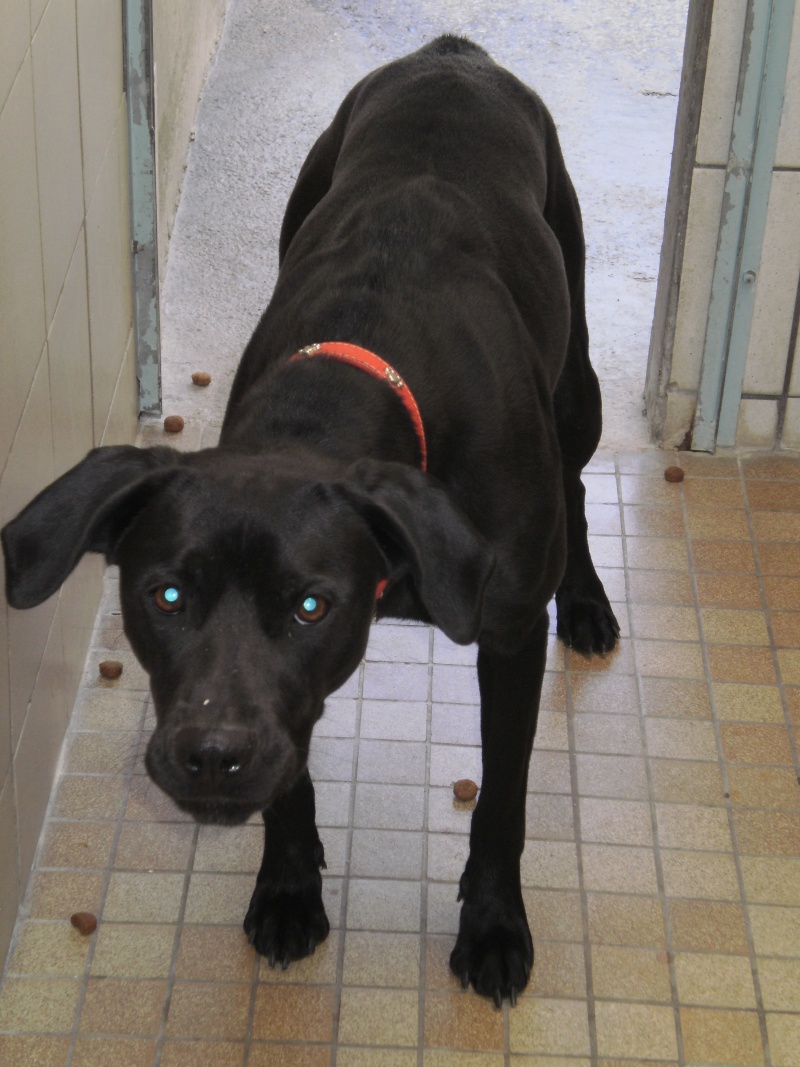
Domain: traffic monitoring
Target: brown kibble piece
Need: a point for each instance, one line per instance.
(173, 423)
(465, 789)
(674, 474)
(84, 922)
(201, 377)
(110, 668)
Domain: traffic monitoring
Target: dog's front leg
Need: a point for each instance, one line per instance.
(494, 950)
(286, 919)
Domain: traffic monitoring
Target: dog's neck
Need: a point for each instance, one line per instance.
(378, 368)
(328, 409)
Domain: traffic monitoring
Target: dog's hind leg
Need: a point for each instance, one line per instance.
(585, 619)
(494, 950)
(286, 919)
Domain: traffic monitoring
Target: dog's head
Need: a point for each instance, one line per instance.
(247, 589)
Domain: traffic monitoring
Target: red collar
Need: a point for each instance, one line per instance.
(378, 368)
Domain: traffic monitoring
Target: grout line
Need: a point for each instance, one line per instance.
(656, 847)
(345, 880)
(120, 820)
(583, 896)
(766, 613)
(423, 908)
(723, 769)
(251, 1007)
(176, 946)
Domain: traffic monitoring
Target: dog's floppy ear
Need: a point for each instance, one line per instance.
(85, 510)
(423, 533)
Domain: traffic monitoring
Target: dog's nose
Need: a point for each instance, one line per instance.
(214, 757)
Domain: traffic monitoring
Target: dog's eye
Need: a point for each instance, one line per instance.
(313, 609)
(169, 599)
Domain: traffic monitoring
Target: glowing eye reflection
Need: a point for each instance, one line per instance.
(313, 609)
(168, 599)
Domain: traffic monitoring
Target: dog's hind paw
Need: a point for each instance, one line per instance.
(496, 959)
(286, 925)
(586, 623)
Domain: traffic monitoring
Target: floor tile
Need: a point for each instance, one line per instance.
(703, 875)
(614, 776)
(707, 926)
(753, 786)
(556, 1027)
(784, 1038)
(626, 1030)
(208, 1010)
(776, 930)
(693, 826)
(293, 1013)
(748, 703)
(378, 959)
(383, 905)
(77, 844)
(720, 1036)
(676, 698)
(617, 919)
(616, 869)
(718, 981)
(187, 1053)
(214, 954)
(123, 1006)
(660, 871)
(455, 1020)
(40, 1005)
(630, 974)
(382, 806)
(771, 880)
(386, 854)
(378, 1016)
(154, 846)
(779, 981)
(559, 970)
(133, 950)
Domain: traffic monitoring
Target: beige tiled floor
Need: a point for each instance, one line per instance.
(661, 869)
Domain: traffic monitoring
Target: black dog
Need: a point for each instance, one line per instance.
(433, 223)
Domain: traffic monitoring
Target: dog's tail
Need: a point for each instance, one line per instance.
(449, 44)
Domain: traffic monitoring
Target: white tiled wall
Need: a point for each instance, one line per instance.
(66, 359)
(769, 415)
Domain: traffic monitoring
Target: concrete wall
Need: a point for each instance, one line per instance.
(185, 33)
(769, 413)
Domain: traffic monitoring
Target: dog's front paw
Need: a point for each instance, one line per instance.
(286, 924)
(493, 951)
(586, 623)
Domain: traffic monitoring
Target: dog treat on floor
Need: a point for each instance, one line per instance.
(201, 377)
(84, 922)
(110, 669)
(674, 474)
(465, 789)
(173, 423)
